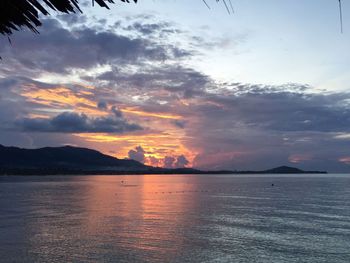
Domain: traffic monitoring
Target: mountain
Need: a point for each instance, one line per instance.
(289, 170)
(74, 160)
(284, 170)
(63, 158)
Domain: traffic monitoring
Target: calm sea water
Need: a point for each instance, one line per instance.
(175, 218)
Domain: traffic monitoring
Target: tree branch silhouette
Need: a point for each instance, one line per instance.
(18, 14)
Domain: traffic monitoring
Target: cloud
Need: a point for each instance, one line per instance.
(138, 154)
(151, 29)
(234, 126)
(102, 105)
(299, 158)
(345, 160)
(282, 111)
(179, 123)
(165, 80)
(70, 122)
(71, 20)
(132, 79)
(153, 161)
(59, 50)
(117, 113)
(169, 161)
(264, 126)
(175, 161)
(181, 162)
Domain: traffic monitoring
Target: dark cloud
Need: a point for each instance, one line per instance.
(15, 82)
(58, 49)
(181, 162)
(117, 112)
(179, 123)
(138, 154)
(174, 80)
(169, 161)
(6, 83)
(175, 161)
(69, 122)
(102, 105)
(264, 127)
(282, 111)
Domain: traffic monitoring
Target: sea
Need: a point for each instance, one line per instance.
(175, 218)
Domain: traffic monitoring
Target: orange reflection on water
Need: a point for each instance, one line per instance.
(87, 216)
(146, 211)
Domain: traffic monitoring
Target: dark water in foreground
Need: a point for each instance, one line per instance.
(175, 218)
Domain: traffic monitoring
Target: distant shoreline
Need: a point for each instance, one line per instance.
(69, 160)
(19, 172)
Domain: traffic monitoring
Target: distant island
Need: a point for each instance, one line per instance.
(69, 160)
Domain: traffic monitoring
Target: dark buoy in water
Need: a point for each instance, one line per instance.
(272, 185)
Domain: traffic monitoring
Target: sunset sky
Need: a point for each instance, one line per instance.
(174, 84)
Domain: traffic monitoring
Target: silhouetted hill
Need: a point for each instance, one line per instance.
(74, 160)
(284, 170)
(66, 157)
(289, 170)
(281, 170)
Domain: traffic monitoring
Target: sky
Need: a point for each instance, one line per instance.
(172, 83)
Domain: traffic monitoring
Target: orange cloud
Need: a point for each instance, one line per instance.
(156, 145)
(62, 98)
